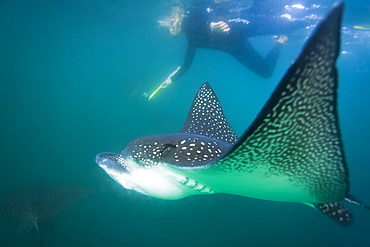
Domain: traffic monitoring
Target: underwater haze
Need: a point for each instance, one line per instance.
(72, 78)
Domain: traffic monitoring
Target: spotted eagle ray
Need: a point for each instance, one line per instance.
(34, 206)
(292, 151)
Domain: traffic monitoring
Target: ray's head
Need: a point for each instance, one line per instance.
(155, 165)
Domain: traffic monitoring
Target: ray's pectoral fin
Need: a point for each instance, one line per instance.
(296, 136)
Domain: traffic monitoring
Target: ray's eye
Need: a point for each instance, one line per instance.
(166, 148)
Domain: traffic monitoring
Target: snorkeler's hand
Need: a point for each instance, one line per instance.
(163, 85)
(219, 27)
(166, 83)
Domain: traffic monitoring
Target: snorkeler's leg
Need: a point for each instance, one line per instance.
(189, 56)
(250, 58)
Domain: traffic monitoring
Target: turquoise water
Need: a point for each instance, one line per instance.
(72, 77)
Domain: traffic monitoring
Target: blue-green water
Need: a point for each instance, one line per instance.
(72, 75)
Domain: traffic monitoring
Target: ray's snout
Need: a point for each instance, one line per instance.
(106, 160)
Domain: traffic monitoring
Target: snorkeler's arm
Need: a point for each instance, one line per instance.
(189, 55)
(175, 75)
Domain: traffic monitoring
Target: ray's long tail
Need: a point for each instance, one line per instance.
(355, 201)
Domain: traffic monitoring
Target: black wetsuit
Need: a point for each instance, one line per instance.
(196, 26)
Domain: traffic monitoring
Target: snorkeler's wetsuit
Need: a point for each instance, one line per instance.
(198, 33)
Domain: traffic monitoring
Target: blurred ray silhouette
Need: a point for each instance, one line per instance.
(34, 206)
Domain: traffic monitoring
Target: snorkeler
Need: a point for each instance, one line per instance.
(214, 24)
